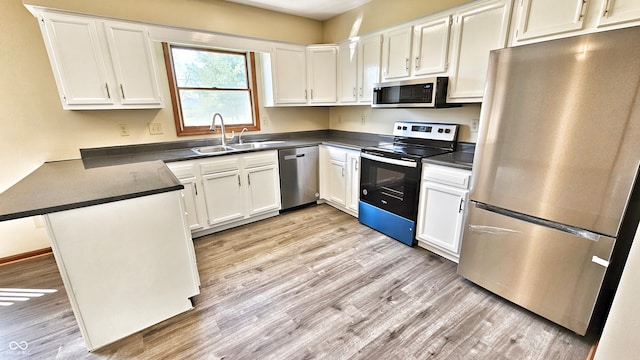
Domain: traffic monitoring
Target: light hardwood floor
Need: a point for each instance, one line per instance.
(309, 284)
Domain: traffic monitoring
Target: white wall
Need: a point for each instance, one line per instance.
(380, 121)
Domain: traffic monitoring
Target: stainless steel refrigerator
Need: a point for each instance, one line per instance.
(553, 206)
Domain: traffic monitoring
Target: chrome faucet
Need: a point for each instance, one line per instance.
(223, 135)
(240, 136)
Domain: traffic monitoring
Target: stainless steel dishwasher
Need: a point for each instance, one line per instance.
(298, 176)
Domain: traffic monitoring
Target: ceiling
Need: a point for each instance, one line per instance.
(314, 9)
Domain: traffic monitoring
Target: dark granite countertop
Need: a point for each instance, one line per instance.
(457, 159)
(181, 150)
(123, 172)
(461, 159)
(63, 185)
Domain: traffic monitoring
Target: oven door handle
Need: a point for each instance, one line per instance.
(405, 163)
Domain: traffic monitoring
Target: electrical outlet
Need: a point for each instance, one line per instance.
(155, 128)
(474, 125)
(124, 129)
(38, 222)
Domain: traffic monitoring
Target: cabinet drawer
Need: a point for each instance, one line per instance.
(227, 163)
(337, 154)
(445, 175)
(261, 158)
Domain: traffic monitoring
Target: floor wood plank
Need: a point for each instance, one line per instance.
(308, 284)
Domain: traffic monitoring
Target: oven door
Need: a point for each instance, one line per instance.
(390, 184)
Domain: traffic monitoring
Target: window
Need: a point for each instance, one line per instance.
(206, 81)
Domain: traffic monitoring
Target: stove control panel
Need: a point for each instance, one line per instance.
(431, 131)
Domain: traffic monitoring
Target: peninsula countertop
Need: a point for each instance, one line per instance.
(64, 185)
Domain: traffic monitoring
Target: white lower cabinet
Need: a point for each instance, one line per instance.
(126, 265)
(443, 201)
(227, 191)
(340, 178)
(187, 173)
(223, 192)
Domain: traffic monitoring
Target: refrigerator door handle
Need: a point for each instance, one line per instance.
(585, 234)
(483, 229)
(600, 261)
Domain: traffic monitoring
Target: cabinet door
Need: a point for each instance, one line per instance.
(322, 74)
(619, 11)
(476, 31)
(547, 17)
(396, 53)
(133, 62)
(77, 60)
(431, 46)
(263, 189)
(353, 181)
(289, 77)
(348, 70)
(441, 215)
(370, 49)
(190, 193)
(337, 182)
(223, 196)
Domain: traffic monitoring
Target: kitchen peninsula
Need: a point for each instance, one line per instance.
(120, 241)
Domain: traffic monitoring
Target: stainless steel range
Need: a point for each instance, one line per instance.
(390, 176)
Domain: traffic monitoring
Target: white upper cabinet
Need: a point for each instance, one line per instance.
(476, 31)
(348, 70)
(542, 20)
(547, 17)
(301, 75)
(619, 11)
(289, 75)
(133, 63)
(370, 52)
(431, 46)
(100, 64)
(322, 73)
(396, 53)
(77, 60)
(358, 69)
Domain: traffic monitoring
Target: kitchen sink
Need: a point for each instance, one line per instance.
(214, 149)
(220, 149)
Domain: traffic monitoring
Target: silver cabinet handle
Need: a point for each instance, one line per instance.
(417, 62)
(249, 179)
(195, 188)
(239, 184)
(106, 86)
(581, 13)
(406, 63)
(354, 92)
(360, 91)
(122, 91)
(606, 8)
(460, 207)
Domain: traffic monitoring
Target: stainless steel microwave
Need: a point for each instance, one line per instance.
(415, 93)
